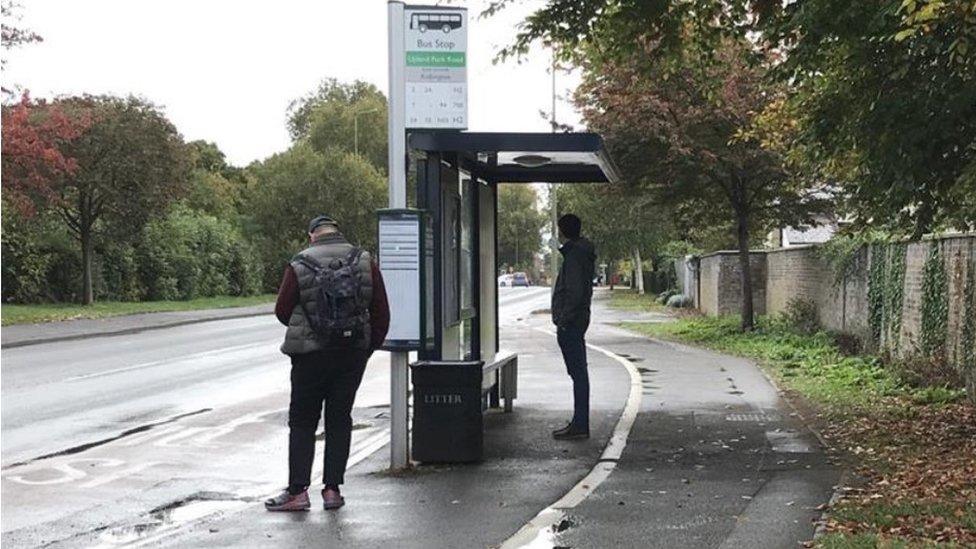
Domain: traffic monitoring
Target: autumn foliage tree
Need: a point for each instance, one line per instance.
(688, 135)
(131, 163)
(883, 93)
(677, 89)
(33, 162)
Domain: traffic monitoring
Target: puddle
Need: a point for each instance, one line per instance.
(788, 442)
(646, 370)
(548, 538)
(634, 359)
(355, 427)
(735, 392)
(563, 525)
(171, 516)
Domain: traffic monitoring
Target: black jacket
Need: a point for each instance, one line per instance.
(574, 286)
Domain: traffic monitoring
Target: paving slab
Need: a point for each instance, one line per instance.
(715, 459)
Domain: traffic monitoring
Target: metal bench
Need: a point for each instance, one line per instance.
(500, 380)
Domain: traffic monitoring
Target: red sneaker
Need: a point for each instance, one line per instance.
(331, 499)
(286, 501)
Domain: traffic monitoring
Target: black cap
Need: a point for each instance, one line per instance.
(320, 220)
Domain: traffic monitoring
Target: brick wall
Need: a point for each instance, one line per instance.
(782, 275)
(721, 284)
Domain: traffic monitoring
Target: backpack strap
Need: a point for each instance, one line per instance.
(308, 262)
(354, 255)
(315, 266)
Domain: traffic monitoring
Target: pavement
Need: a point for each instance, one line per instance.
(713, 457)
(20, 335)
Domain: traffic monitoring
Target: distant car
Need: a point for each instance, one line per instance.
(505, 280)
(520, 279)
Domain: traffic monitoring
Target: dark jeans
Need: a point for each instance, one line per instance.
(573, 346)
(331, 377)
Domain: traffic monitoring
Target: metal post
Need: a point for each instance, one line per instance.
(553, 202)
(399, 447)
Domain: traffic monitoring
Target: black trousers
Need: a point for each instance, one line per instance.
(332, 378)
(573, 345)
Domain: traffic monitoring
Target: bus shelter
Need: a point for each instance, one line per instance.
(450, 240)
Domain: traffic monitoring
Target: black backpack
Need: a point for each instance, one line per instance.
(341, 318)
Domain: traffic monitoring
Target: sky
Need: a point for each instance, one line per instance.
(225, 71)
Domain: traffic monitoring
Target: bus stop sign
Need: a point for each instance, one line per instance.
(436, 74)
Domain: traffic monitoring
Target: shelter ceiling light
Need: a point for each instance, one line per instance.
(532, 160)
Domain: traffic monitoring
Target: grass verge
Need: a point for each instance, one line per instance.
(629, 300)
(913, 448)
(52, 312)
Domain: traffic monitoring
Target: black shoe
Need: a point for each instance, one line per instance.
(563, 430)
(571, 433)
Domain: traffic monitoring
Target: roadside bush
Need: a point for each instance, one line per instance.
(801, 315)
(117, 270)
(41, 261)
(679, 301)
(188, 254)
(25, 266)
(922, 371)
(664, 296)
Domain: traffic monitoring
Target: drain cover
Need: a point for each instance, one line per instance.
(759, 417)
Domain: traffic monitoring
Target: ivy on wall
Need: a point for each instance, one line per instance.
(935, 303)
(895, 291)
(876, 294)
(967, 339)
(886, 292)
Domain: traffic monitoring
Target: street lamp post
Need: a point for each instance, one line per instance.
(355, 129)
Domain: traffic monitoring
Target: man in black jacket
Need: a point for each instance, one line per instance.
(571, 314)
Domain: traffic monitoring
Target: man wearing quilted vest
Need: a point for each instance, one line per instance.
(320, 372)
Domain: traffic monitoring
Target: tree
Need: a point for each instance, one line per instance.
(622, 222)
(884, 92)
(294, 186)
(131, 164)
(349, 117)
(687, 133)
(520, 224)
(33, 164)
(215, 187)
(886, 104)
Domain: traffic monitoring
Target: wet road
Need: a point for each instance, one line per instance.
(96, 431)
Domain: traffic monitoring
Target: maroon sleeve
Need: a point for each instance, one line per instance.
(287, 296)
(379, 310)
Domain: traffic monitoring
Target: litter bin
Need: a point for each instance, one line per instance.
(447, 420)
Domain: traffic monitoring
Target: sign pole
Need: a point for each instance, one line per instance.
(397, 161)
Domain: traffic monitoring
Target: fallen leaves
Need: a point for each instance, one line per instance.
(917, 471)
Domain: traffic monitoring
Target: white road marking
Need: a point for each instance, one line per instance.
(120, 474)
(538, 531)
(360, 451)
(222, 352)
(70, 473)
